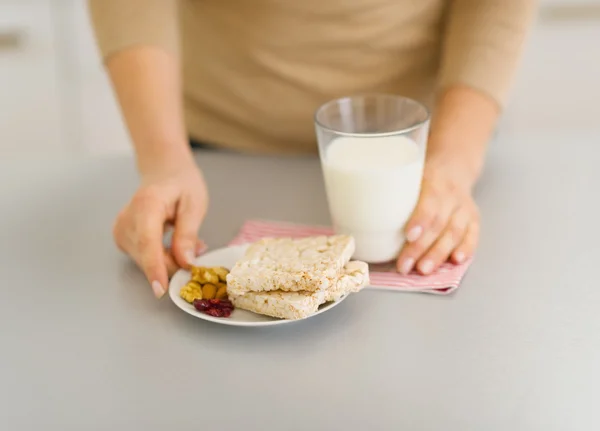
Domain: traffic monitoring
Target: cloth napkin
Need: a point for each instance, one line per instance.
(443, 282)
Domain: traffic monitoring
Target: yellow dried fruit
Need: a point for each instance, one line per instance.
(221, 272)
(212, 276)
(204, 275)
(221, 291)
(198, 278)
(197, 269)
(191, 291)
(209, 291)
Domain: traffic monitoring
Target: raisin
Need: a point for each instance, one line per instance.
(214, 307)
(202, 304)
(215, 312)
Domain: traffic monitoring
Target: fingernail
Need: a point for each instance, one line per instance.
(414, 234)
(190, 256)
(459, 256)
(426, 266)
(158, 289)
(407, 265)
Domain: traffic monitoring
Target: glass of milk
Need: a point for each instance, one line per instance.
(372, 151)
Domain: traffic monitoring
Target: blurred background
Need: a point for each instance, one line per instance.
(55, 96)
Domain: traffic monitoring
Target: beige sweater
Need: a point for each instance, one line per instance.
(254, 71)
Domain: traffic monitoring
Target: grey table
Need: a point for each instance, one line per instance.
(85, 346)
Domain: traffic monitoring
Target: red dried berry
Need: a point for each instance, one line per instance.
(214, 307)
(202, 304)
(215, 312)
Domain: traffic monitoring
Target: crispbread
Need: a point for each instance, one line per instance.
(298, 305)
(291, 265)
(355, 276)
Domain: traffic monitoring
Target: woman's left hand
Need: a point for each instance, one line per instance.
(445, 223)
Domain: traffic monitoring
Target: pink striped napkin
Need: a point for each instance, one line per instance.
(443, 282)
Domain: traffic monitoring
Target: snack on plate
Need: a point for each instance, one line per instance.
(191, 291)
(214, 307)
(207, 291)
(212, 275)
(280, 277)
(354, 277)
(294, 265)
(298, 305)
(290, 278)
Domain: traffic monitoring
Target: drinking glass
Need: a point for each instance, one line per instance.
(372, 150)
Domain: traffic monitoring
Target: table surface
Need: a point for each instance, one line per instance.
(84, 344)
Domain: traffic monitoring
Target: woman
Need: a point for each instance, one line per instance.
(248, 75)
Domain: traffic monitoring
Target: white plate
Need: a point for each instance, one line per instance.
(227, 257)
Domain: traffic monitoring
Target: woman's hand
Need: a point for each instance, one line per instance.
(445, 223)
(166, 197)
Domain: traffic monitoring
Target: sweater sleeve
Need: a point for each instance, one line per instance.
(120, 24)
(483, 43)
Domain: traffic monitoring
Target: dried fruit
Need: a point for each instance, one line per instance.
(221, 291)
(209, 291)
(191, 291)
(214, 307)
(226, 303)
(197, 270)
(215, 312)
(202, 304)
(221, 272)
(204, 275)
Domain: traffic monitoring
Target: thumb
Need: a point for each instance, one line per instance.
(190, 213)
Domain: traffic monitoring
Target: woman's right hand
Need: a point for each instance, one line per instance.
(166, 197)
(147, 82)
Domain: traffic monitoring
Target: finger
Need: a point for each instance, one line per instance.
(190, 213)
(172, 266)
(429, 214)
(170, 263)
(155, 269)
(422, 216)
(120, 233)
(447, 242)
(433, 215)
(148, 250)
(468, 245)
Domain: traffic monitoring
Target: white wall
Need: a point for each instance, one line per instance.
(29, 83)
(557, 86)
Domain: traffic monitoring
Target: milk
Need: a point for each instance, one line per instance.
(373, 185)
